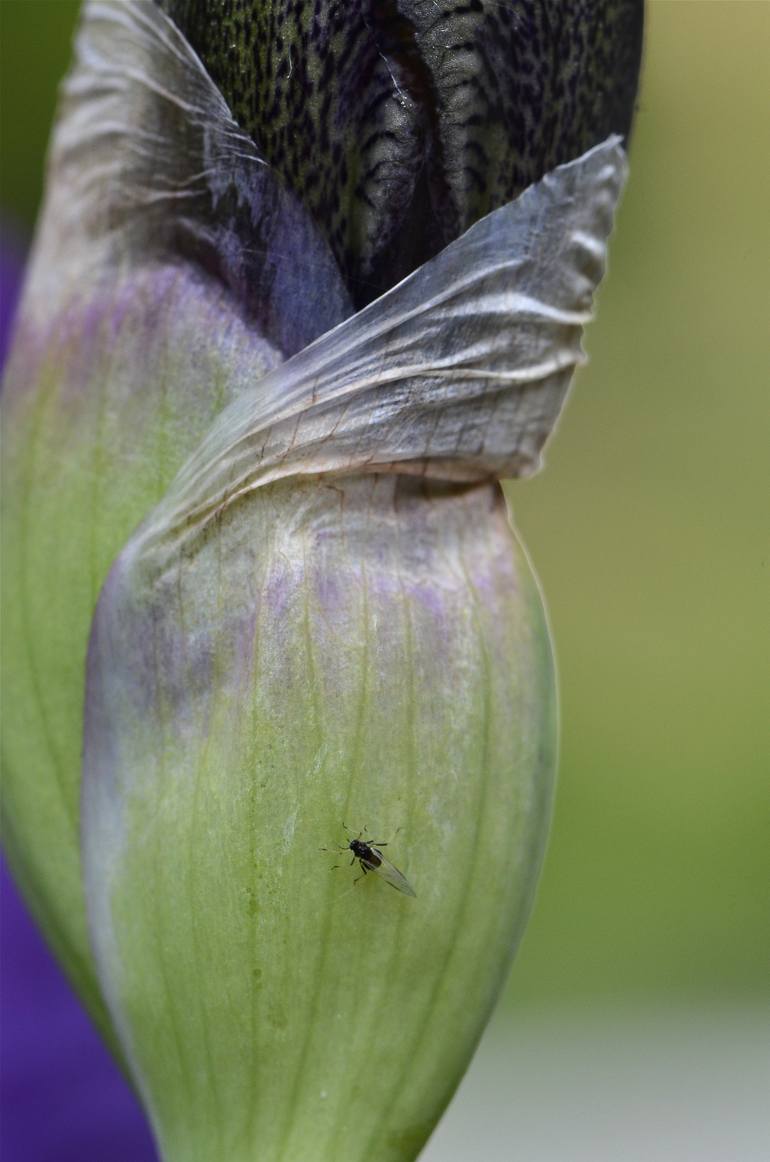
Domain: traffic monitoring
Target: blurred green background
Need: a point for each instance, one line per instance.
(637, 1000)
(649, 528)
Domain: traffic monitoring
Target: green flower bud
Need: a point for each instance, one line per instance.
(328, 619)
(323, 622)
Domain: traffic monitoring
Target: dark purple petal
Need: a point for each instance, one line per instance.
(401, 122)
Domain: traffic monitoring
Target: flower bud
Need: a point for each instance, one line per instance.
(319, 716)
(326, 621)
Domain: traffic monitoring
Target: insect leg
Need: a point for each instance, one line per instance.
(379, 842)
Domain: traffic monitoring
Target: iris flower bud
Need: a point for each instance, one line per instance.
(318, 629)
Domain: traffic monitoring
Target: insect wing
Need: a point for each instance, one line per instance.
(392, 875)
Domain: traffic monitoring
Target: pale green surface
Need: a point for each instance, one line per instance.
(363, 652)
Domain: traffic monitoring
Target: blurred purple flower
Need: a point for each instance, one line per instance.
(10, 284)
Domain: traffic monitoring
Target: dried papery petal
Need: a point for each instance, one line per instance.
(328, 619)
(460, 372)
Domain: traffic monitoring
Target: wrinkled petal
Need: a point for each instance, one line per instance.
(460, 372)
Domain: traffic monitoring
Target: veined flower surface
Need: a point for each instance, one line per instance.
(317, 611)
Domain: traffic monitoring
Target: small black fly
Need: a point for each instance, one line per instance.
(371, 859)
